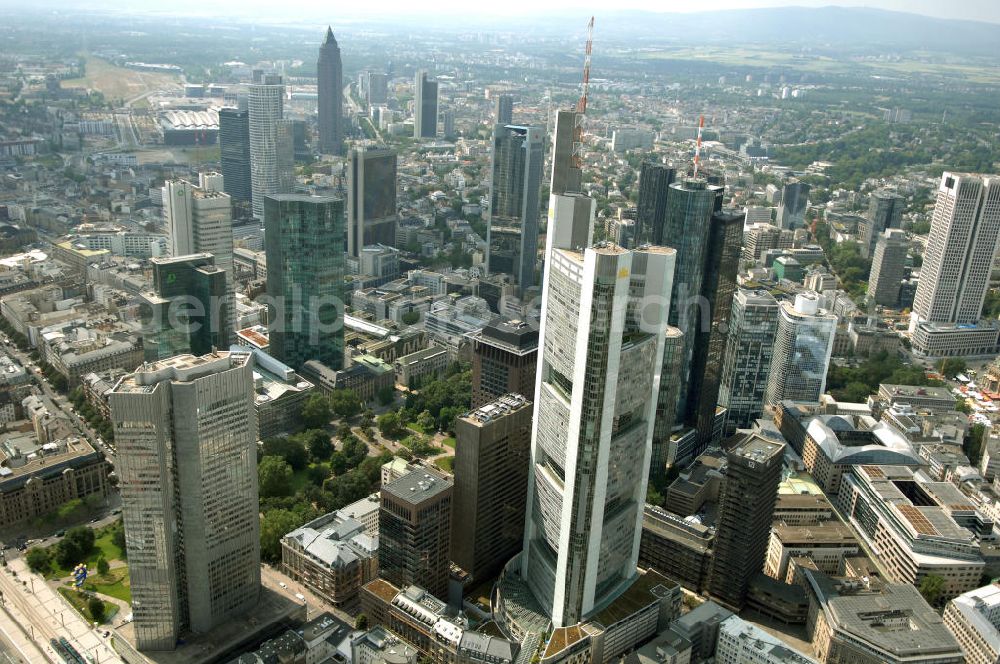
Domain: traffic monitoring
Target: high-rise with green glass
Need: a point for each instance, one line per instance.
(188, 310)
(304, 244)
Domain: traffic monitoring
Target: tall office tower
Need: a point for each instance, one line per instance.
(448, 123)
(234, 155)
(371, 199)
(885, 211)
(960, 249)
(504, 356)
(414, 531)
(888, 268)
(266, 106)
(567, 176)
(377, 88)
(193, 541)
(753, 325)
(722, 263)
(503, 109)
(746, 508)
(425, 106)
(688, 223)
(492, 449)
(792, 209)
(592, 436)
(330, 90)
(186, 312)
(303, 236)
(516, 185)
(803, 345)
(654, 186)
(663, 454)
(199, 220)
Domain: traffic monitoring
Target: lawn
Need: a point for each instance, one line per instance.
(445, 463)
(113, 584)
(449, 442)
(103, 548)
(119, 83)
(78, 601)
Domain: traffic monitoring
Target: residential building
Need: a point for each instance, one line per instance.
(306, 278)
(234, 157)
(792, 208)
(885, 212)
(492, 449)
(330, 96)
(974, 619)
(425, 106)
(516, 181)
(746, 508)
(504, 356)
(888, 268)
(803, 346)
(333, 556)
(415, 531)
(371, 199)
(193, 541)
(753, 325)
(875, 623)
(651, 214)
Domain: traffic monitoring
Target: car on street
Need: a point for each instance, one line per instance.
(300, 597)
(282, 584)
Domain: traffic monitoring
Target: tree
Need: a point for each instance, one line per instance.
(292, 449)
(39, 560)
(385, 395)
(316, 412)
(931, 587)
(338, 463)
(318, 444)
(973, 445)
(96, 608)
(410, 318)
(274, 477)
(118, 538)
(426, 422)
(275, 525)
(361, 621)
(75, 546)
(102, 566)
(389, 425)
(345, 403)
(951, 366)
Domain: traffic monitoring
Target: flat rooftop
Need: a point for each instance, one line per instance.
(417, 486)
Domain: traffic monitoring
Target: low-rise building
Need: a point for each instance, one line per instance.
(279, 394)
(379, 646)
(677, 547)
(332, 555)
(827, 544)
(741, 642)
(415, 367)
(974, 619)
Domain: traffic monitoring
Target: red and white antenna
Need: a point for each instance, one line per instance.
(581, 106)
(697, 147)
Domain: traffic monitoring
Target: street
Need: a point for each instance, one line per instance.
(272, 577)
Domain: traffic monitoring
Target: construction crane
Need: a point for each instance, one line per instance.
(581, 106)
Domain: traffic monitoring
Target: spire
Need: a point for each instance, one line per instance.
(329, 37)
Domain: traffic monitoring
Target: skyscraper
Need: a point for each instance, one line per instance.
(587, 480)
(377, 88)
(746, 508)
(792, 209)
(753, 325)
(663, 454)
(199, 220)
(503, 109)
(722, 263)
(187, 311)
(414, 530)
(960, 249)
(303, 236)
(234, 155)
(330, 90)
(888, 268)
(516, 182)
(567, 175)
(803, 345)
(271, 146)
(193, 542)
(885, 211)
(371, 199)
(504, 356)
(492, 450)
(425, 106)
(654, 186)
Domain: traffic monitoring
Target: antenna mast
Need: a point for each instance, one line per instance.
(581, 106)
(697, 147)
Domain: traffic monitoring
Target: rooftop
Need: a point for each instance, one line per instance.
(418, 485)
(505, 405)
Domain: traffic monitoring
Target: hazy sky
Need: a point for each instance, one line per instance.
(978, 10)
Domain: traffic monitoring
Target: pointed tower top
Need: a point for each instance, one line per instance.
(329, 36)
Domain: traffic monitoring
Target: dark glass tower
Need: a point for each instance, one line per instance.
(885, 211)
(371, 199)
(654, 185)
(512, 231)
(330, 79)
(753, 325)
(234, 149)
(425, 106)
(303, 241)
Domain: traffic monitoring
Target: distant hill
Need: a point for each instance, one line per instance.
(849, 27)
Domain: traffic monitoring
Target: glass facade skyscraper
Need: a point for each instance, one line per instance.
(303, 242)
(330, 96)
(371, 199)
(425, 106)
(753, 325)
(234, 156)
(654, 187)
(803, 346)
